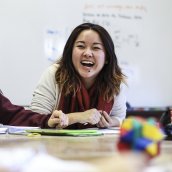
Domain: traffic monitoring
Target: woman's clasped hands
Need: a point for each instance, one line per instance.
(61, 120)
(92, 116)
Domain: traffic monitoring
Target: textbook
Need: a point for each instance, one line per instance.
(66, 132)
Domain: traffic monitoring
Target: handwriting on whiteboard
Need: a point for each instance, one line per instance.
(124, 22)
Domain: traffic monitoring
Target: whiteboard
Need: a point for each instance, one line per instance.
(33, 33)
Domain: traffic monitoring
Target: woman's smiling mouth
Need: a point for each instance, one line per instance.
(87, 63)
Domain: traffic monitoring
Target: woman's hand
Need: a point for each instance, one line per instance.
(58, 120)
(91, 116)
(107, 121)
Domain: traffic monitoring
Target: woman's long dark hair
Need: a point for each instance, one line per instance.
(109, 79)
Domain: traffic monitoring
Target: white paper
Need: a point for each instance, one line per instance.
(16, 129)
(110, 130)
(3, 130)
(114, 130)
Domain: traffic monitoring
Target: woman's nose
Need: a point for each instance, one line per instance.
(88, 53)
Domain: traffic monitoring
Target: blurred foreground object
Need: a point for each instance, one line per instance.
(126, 162)
(141, 135)
(26, 159)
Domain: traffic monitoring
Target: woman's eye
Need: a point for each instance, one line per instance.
(96, 48)
(80, 46)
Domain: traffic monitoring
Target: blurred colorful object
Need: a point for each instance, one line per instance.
(142, 135)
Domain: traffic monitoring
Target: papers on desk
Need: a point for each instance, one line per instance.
(78, 132)
(24, 130)
(112, 130)
(15, 129)
(3, 130)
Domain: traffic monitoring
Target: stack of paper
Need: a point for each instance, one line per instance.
(3, 130)
(15, 129)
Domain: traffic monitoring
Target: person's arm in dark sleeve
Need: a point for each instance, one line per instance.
(16, 115)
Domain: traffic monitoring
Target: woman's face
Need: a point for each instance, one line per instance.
(88, 55)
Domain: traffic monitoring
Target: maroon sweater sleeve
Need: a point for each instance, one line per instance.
(16, 115)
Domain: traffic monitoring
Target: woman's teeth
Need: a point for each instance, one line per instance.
(87, 63)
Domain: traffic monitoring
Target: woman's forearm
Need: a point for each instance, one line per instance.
(75, 118)
(91, 116)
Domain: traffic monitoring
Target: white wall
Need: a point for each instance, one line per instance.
(141, 30)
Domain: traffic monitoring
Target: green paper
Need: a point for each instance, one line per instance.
(66, 132)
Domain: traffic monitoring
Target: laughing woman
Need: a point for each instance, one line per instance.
(86, 84)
